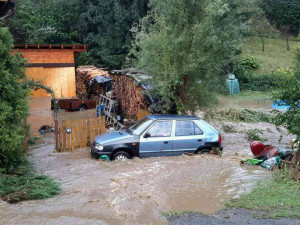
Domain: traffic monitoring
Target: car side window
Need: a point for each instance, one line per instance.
(161, 129)
(198, 131)
(187, 128)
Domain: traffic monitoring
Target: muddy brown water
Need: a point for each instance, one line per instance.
(233, 102)
(132, 192)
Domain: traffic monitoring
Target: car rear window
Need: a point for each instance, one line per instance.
(187, 128)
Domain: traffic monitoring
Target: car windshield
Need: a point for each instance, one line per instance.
(140, 126)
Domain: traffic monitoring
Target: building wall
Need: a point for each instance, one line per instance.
(61, 80)
(55, 68)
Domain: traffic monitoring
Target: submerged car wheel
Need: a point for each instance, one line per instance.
(120, 156)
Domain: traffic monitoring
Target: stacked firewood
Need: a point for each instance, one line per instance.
(129, 95)
(84, 75)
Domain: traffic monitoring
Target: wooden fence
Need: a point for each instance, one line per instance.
(142, 113)
(75, 134)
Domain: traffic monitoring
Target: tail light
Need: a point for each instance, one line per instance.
(220, 139)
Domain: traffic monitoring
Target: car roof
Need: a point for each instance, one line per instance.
(172, 117)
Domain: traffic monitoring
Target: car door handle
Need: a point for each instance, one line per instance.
(166, 142)
(199, 140)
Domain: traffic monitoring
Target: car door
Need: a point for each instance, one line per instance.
(188, 137)
(157, 140)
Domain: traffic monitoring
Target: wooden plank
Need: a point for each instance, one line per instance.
(64, 139)
(68, 145)
(72, 135)
(85, 133)
(77, 134)
(82, 135)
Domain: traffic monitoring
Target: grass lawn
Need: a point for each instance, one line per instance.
(25, 185)
(279, 197)
(275, 54)
(250, 95)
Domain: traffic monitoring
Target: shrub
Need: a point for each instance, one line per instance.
(250, 63)
(13, 104)
(254, 135)
(237, 114)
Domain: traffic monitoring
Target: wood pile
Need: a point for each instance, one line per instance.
(129, 95)
(84, 74)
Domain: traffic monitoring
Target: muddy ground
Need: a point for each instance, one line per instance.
(139, 190)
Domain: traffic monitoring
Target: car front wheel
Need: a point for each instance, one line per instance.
(120, 156)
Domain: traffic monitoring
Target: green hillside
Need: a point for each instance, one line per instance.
(275, 54)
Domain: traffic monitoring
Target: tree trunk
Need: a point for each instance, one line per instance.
(287, 43)
(263, 43)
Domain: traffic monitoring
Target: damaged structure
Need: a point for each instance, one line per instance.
(91, 82)
(129, 86)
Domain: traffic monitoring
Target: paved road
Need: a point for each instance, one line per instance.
(231, 217)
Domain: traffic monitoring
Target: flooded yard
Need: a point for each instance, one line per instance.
(139, 190)
(132, 192)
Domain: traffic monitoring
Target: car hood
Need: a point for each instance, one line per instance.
(111, 137)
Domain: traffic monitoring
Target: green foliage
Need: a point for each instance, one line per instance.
(278, 197)
(33, 140)
(184, 45)
(289, 90)
(40, 22)
(283, 13)
(13, 104)
(228, 128)
(249, 80)
(254, 135)
(105, 26)
(238, 114)
(15, 188)
(250, 63)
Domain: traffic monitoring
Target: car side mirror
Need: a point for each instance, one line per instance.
(147, 135)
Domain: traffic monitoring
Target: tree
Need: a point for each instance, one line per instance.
(40, 22)
(282, 13)
(289, 90)
(105, 26)
(260, 26)
(13, 103)
(184, 44)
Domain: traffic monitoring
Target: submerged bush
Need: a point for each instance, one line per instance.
(238, 114)
(15, 188)
(254, 135)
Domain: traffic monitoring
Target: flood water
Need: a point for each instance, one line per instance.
(131, 192)
(235, 101)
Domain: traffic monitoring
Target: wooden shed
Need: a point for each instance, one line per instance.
(54, 65)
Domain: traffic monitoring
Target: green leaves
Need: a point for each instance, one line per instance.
(13, 104)
(193, 39)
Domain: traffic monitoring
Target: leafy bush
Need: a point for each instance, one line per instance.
(238, 114)
(250, 63)
(13, 104)
(260, 82)
(14, 188)
(288, 90)
(229, 128)
(254, 135)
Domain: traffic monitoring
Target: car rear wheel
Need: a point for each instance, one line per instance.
(203, 151)
(121, 156)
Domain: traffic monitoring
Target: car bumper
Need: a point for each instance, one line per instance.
(99, 153)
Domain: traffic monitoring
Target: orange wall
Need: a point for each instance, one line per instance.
(60, 79)
(48, 55)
